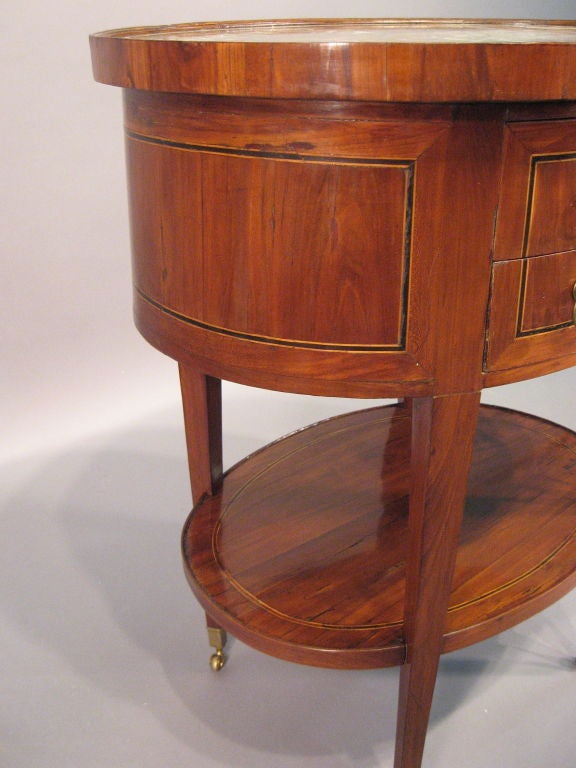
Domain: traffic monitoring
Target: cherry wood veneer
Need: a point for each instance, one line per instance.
(315, 572)
(386, 60)
(369, 208)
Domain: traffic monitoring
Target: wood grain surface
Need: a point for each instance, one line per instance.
(302, 553)
(363, 208)
(387, 60)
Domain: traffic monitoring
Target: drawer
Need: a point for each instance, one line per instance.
(548, 284)
(301, 237)
(292, 250)
(532, 311)
(537, 209)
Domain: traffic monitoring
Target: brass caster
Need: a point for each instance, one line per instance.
(217, 639)
(217, 661)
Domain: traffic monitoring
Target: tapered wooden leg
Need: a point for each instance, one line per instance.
(442, 435)
(202, 402)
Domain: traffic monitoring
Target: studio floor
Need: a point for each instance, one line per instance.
(104, 658)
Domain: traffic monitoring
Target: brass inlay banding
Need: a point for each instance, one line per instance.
(380, 625)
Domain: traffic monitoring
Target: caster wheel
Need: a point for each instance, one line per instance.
(217, 661)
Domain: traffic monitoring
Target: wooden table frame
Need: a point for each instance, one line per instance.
(387, 212)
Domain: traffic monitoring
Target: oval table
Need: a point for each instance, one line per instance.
(369, 208)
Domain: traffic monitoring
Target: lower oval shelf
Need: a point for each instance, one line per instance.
(301, 553)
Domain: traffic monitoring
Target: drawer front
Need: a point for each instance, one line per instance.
(532, 311)
(310, 251)
(278, 224)
(547, 300)
(537, 210)
(532, 305)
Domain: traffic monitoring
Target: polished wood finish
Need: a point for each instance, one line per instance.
(370, 59)
(532, 306)
(548, 301)
(435, 514)
(532, 314)
(246, 275)
(202, 403)
(536, 215)
(280, 367)
(363, 209)
(314, 219)
(315, 571)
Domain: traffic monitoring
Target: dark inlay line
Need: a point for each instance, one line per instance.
(554, 158)
(270, 155)
(266, 339)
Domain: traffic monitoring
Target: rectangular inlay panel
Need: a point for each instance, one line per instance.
(547, 300)
(531, 318)
(279, 233)
(552, 211)
(537, 210)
